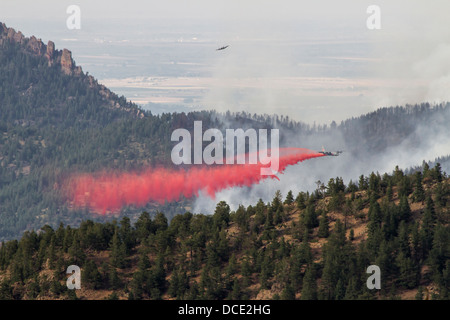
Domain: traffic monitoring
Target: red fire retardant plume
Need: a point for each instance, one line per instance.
(108, 192)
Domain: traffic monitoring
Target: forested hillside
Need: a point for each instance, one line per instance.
(55, 120)
(307, 246)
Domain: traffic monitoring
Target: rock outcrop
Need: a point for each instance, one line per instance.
(35, 46)
(66, 61)
(50, 53)
(62, 59)
(10, 34)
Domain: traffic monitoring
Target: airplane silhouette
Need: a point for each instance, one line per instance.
(329, 153)
(222, 48)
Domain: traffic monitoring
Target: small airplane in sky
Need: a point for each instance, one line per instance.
(222, 48)
(329, 153)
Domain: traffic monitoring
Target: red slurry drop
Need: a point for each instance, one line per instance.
(110, 191)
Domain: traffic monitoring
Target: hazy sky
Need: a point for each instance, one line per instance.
(412, 13)
(404, 62)
(198, 9)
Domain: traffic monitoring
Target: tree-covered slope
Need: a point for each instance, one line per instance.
(307, 246)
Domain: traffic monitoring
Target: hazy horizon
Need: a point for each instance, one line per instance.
(315, 62)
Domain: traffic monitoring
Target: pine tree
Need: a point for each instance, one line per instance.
(439, 192)
(339, 290)
(389, 192)
(351, 292)
(419, 192)
(404, 209)
(416, 243)
(300, 201)
(436, 173)
(352, 188)
(269, 225)
(408, 271)
(445, 282)
(277, 201)
(404, 186)
(398, 176)
(156, 281)
(127, 235)
(118, 251)
(193, 292)
(160, 222)
(75, 251)
(363, 184)
(374, 232)
(324, 231)
(403, 239)
(426, 170)
(174, 284)
(144, 227)
(6, 291)
(278, 218)
(221, 217)
(288, 293)
(143, 263)
(60, 234)
(236, 293)
(428, 224)
(232, 266)
(137, 285)
(309, 217)
(266, 272)
(67, 241)
(115, 282)
(289, 198)
(440, 251)
(305, 251)
(309, 291)
(90, 276)
(337, 201)
(241, 217)
(51, 253)
(374, 183)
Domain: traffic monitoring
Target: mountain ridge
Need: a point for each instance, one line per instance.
(35, 46)
(62, 60)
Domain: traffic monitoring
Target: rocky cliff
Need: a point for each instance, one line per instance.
(63, 59)
(32, 45)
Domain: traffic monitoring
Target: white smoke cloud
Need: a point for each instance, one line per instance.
(436, 68)
(410, 65)
(428, 141)
(413, 47)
